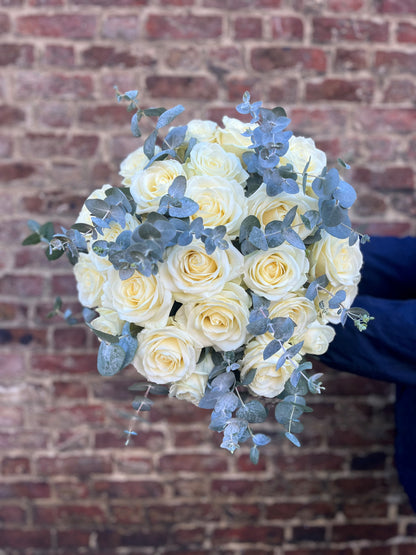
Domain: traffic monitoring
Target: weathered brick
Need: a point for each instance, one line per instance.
(80, 466)
(396, 6)
(400, 90)
(360, 531)
(32, 490)
(120, 3)
(388, 179)
(271, 58)
(190, 87)
(15, 465)
(55, 85)
(236, 4)
(247, 28)
(70, 26)
(189, 27)
(395, 61)
(331, 29)
(248, 534)
(406, 32)
(386, 120)
(104, 116)
(46, 145)
(12, 514)
(121, 27)
(345, 5)
(347, 59)
(128, 488)
(20, 55)
(4, 23)
(73, 538)
(70, 515)
(359, 90)
(10, 115)
(287, 28)
(192, 463)
(59, 55)
(102, 56)
(58, 364)
(25, 539)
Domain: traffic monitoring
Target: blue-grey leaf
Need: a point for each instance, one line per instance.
(167, 117)
(252, 411)
(293, 238)
(178, 187)
(271, 348)
(149, 145)
(345, 194)
(261, 439)
(134, 126)
(258, 239)
(175, 137)
(254, 455)
(110, 359)
(337, 299)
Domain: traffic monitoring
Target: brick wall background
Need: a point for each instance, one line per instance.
(345, 71)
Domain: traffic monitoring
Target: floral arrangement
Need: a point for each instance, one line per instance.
(216, 267)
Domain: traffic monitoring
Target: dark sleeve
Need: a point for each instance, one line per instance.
(386, 350)
(389, 268)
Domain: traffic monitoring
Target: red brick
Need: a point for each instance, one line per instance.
(287, 28)
(386, 120)
(271, 58)
(104, 116)
(10, 115)
(192, 463)
(70, 515)
(283, 91)
(20, 55)
(128, 488)
(330, 29)
(361, 531)
(46, 2)
(12, 514)
(248, 534)
(70, 26)
(55, 114)
(310, 122)
(406, 549)
(236, 86)
(72, 490)
(236, 4)
(4, 23)
(308, 534)
(6, 146)
(247, 28)
(383, 228)
(15, 465)
(306, 511)
(67, 417)
(21, 286)
(360, 90)
(406, 32)
(350, 59)
(189, 27)
(45, 145)
(134, 464)
(22, 539)
(59, 55)
(62, 364)
(121, 27)
(55, 85)
(73, 538)
(31, 490)
(103, 56)
(359, 510)
(15, 170)
(110, 440)
(110, 3)
(69, 390)
(395, 61)
(397, 6)
(400, 178)
(189, 87)
(345, 5)
(28, 439)
(80, 466)
(400, 90)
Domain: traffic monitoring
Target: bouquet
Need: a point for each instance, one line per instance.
(216, 267)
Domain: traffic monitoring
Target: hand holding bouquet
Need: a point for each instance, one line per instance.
(217, 266)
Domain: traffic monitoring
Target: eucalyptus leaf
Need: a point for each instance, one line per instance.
(110, 359)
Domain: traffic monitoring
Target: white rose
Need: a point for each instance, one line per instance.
(217, 321)
(192, 387)
(202, 130)
(297, 307)
(276, 272)
(334, 257)
(221, 202)
(90, 281)
(268, 209)
(301, 150)
(165, 355)
(110, 234)
(149, 185)
(84, 217)
(133, 163)
(231, 138)
(141, 300)
(212, 159)
(326, 314)
(190, 273)
(267, 382)
(317, 338)
(108, 321)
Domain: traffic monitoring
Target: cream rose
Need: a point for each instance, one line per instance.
(231, 137)
(202, 130)
(217, 321)
(141, 300)
(149, 185)
(108, 321)
(297, 307)
(165, 355)
(90, 281)
(192, 387)
(133, 163)
(212, 159)
(267, 382)
(317, 338)
(268, 209)
(334, 257)
(301, 150)
(221, 202)
(84, 217)
(276, 272)
(190, 273)
(326, 314)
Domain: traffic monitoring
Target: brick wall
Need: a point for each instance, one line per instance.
(345, 70)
